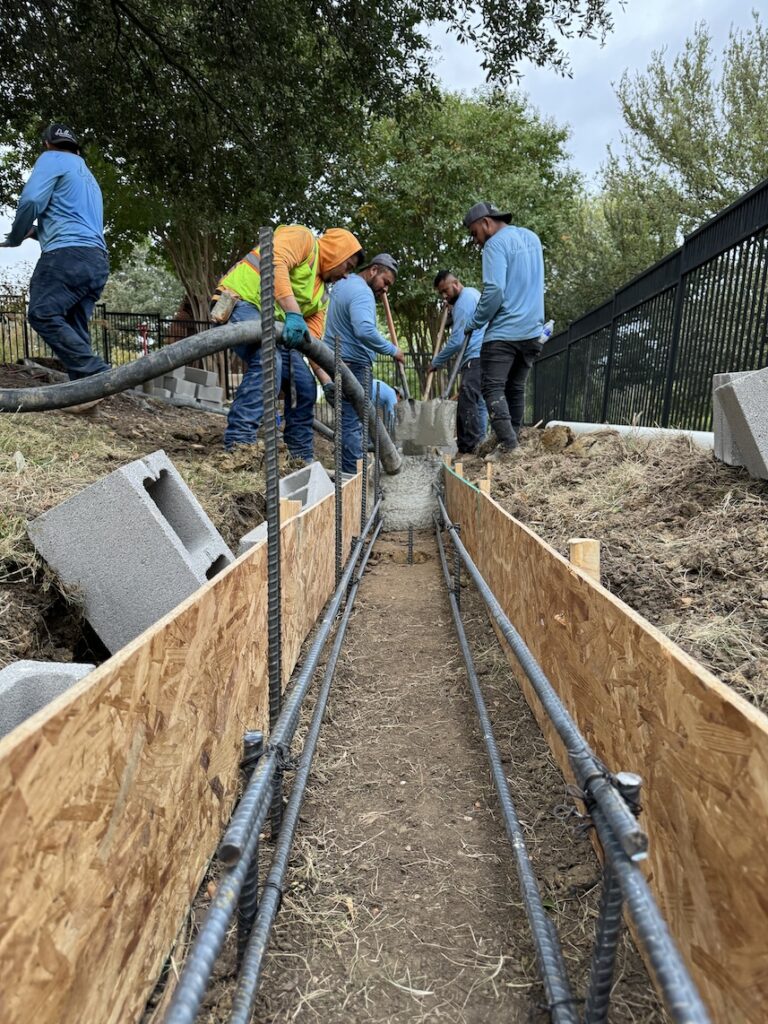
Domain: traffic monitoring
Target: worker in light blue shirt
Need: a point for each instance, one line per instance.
(471, 414)
(64, 198)
(511, 308)
(352, 317)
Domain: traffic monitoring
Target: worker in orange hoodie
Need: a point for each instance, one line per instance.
(303, 266)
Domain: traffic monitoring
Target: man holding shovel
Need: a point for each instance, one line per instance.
(511, 308)
(352, 317)
(472, 416)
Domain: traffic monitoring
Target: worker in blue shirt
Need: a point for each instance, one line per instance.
(471, 414)
(511, 308)
(352, 317)
(64, 198)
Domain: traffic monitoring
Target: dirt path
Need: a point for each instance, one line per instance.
(402, 902)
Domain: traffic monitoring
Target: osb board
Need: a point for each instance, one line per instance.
(113, 798)
(646, 706)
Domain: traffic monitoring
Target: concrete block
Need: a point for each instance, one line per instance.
(745, 406)
(134, 544)
(410, 497)
(726, 450)
(185, 401)
(252, 538)
(308, 485)
(159, 393)
(27, 686)
(206, 378)
(211, 405)
(179, 387)
(209, 394)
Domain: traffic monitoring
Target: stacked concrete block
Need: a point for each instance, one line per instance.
(308, 485)
(134, 545)
(179, 386)
(190, 387)
(726, 449)
(27, 686)
(744, 402)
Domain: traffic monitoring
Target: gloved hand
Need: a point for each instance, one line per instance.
(295, 331)
(469, 329)
(329, 390)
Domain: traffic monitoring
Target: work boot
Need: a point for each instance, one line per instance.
(501, 455)
(83, 407)
(486, 447)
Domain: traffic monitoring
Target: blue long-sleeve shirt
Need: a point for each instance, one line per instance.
(352, 315)
(65, 199)
(512, 303)
(463, 310)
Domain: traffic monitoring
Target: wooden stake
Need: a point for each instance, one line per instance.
(584, 553)
(458, 469)
(289, 508)
(484, 485)
(489, 471)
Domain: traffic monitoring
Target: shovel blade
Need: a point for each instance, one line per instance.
(427, 424)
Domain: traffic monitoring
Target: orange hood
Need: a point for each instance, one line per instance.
(336, 246)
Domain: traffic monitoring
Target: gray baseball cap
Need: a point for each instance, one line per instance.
(485, 210)
(385, 260)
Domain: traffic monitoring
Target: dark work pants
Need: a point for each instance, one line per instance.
(506, 365)
(471, 415)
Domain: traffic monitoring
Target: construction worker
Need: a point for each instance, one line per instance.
(64, 198)
(471, 414)
(303, 266)
(511, 308)
(352, 317)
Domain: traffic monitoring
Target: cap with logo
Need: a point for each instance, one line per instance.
(57, 133)
(485, 210)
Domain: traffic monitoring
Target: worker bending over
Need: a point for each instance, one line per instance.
(511, 308)
(352, 317)
(64, 198)
(303, 266)
(471, 414)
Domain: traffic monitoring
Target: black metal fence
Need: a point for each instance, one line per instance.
(648, 355)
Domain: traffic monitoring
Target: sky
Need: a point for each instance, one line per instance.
(587, 101)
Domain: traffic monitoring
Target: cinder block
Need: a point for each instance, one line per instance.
(27, 686)
(134, 544)
(308, 485)
(186, 401)
(217, 406)
(252, 538)
(159, 393)
(726, 449)
(209, 394)
(206, 378)
(745, 406)
(179, 387)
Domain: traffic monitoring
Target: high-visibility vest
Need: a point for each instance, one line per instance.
(308, 288)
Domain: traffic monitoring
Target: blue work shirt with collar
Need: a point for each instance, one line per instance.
(352, 316)
(65, 199)
(512, 302)
(462, 312)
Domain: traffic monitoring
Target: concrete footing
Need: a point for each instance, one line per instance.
(410, 497)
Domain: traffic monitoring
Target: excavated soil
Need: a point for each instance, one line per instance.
(684, 537)
(402, 903)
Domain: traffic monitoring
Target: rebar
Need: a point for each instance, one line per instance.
(410, 544)
(560, 1002)
(592, 776)
(365, 424)
(376, 451)
(337, 450)
(457, 571)
(253, 748)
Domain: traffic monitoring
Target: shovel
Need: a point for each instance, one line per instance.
(438, 346)
(421, 425)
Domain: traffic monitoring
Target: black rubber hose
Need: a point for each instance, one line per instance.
(181, 353)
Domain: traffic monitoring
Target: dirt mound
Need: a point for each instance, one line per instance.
(684, 537)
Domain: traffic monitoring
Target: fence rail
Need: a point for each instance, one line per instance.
(648, 354)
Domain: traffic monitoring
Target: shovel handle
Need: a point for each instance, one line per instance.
(393, 337)
(438, 346)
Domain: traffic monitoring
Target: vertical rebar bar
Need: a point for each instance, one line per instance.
(248, 904)
(410, 544)
(376, 462)
(269, 426)
(337, 445)
(367, 403)
(607, 933)
(457, 570)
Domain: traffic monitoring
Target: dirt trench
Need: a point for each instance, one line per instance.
(402, 903)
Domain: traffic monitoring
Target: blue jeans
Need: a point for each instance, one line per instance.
(351, 427)
(247, 410)
(65, 287)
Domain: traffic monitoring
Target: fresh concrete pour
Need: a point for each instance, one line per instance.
(410, 497)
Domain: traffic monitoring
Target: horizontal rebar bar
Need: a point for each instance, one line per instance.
(560, 1001)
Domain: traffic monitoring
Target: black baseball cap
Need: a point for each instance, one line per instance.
(57, 134)
(485, 210)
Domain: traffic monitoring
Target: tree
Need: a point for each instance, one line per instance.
(142, 285)
(202, 120)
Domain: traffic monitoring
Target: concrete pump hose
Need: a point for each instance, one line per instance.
(181, 353)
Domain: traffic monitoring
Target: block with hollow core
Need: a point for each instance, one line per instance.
(745, 405)
(205, 394)
(27, 686)
(726, 449)
(410, 497)
(179, 387)
(308, 485)
(134, 545)
(206, 378)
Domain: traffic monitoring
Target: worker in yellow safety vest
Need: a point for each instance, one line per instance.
(303, 266)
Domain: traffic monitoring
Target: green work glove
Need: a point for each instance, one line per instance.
(295, 331)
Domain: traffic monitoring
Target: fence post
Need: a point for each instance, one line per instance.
(609, 363)
(566, 372)
(25, 326)
(105, 332)
(677, 322)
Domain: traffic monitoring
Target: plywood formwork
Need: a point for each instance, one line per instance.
(646, 706)
(112, 799)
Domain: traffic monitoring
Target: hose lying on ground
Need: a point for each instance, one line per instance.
(181, 353)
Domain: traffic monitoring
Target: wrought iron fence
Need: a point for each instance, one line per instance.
(648, 355)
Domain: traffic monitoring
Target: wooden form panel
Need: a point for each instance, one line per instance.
(646, 706)
(113, 798)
